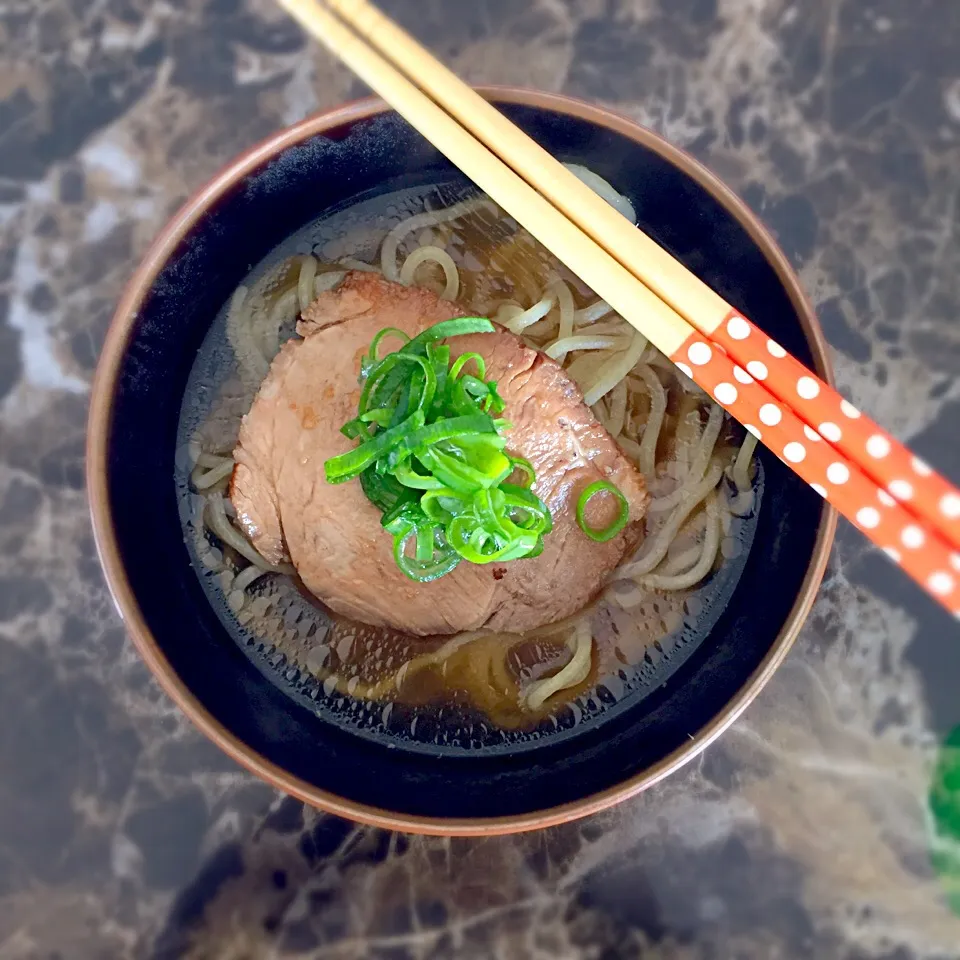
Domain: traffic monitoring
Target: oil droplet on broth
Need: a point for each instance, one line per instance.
(317, 658)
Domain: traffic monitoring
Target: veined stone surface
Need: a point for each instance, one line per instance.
(803, 832)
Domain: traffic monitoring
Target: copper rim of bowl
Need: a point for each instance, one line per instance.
(101, 403)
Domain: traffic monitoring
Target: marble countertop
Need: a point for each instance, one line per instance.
(805, 831)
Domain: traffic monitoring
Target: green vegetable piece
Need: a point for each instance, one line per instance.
(463, 360)
(442, 562)
(432, 458)
(383, 491)
(944, 804)
(608, 532)
(371, 359)
(526, 468)
(349, 465)
(448, 328)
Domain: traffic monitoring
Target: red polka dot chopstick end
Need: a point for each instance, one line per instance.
(743, 389)
(887, 462)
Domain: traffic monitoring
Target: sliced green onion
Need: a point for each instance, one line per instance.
(349, 465)
(402, 518)
(453, 473)
(431, 456)
(371, 359)
(458, 402)
(439, 356)
(380, 417)
(443, 505)
(463, 360)
(385, 379)
(448, 328)
(407, 398)
(408, 477)
(493, 402)
(383, 491)
(476, 389)
(438, 566)
(477, 470)
(423, 388)
(426, 437)
(425, 533)
(526, 509)
(526, 468)
(608, 532)
(536, 551)
(488, 509)
(476, 544)
(355, 428)
(451, 429)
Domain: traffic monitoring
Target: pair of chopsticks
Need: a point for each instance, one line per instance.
(900, 503)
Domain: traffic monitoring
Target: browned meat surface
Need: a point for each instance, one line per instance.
(332, 533)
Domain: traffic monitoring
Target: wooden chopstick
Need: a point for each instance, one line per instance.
(912, 541)
(889, 463)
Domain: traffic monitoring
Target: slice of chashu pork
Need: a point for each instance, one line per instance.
(332, 533)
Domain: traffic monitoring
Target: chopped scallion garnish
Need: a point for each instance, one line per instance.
(603, 534)
(431, 457)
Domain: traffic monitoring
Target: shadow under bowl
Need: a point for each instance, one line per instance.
(203, 254)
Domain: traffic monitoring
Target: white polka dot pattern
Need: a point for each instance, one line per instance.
(878, 446)
(770, 414)
(940, 583)
(794, 452)
(738, 328)
(913, 537)
(837, 450)
(726, 393)
(838, 473)
(901, 489)
(950, 505)
(920, 490)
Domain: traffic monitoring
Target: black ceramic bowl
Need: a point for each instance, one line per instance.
(202, 255)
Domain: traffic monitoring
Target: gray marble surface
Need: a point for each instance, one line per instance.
(803, 832)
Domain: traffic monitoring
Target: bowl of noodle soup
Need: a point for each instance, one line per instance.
(484, 730)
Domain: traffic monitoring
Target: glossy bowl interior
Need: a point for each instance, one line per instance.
(192, 269)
